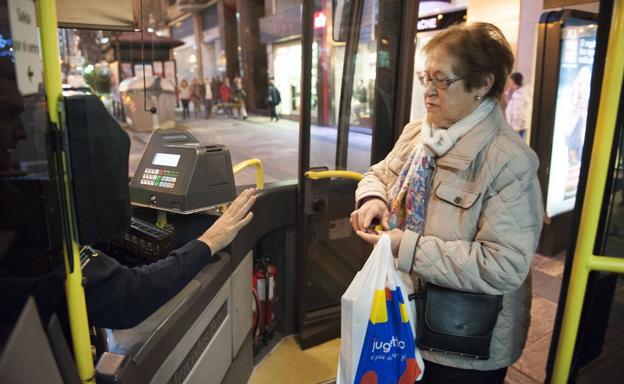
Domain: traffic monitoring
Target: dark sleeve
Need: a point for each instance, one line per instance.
(121, 297)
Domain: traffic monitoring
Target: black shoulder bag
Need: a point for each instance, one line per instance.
(456, 322)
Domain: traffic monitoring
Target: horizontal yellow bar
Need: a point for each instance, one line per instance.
(606, 264)
(259, 170)
(328, 174)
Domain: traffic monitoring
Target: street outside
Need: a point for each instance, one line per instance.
(275, 143)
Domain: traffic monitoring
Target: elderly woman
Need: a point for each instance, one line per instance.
(459, 196)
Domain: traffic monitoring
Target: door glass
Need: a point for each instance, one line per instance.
(335, 253)
(607, 367)
(362, 96)
(29, 212)
(330, 64)
(614, 244)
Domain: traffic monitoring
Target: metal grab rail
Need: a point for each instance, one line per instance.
(584, 260)
(259, 170)
(317, 175)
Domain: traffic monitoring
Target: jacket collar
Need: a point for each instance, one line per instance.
(466, 149)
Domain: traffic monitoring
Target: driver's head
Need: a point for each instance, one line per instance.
(11, 127)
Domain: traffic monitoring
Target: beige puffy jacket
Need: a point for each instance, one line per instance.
(483, 219)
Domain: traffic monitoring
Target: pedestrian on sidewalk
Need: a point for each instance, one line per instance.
(185, 96)
(215, 87)
(519, 104)
(239, 98)
(273, 99)
(196, 98)
(208, 97)
(225, 92)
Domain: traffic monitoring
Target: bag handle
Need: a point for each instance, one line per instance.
(386, 262)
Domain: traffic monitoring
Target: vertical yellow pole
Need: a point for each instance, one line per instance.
(592, 203)
(46, 15)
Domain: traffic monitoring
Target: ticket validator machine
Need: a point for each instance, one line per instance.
(179, 174)
(202, 334)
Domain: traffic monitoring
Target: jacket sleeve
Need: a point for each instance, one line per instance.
(374, 183)
(497, 261)
(120, 297)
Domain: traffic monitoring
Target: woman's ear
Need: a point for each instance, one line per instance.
(488, 81)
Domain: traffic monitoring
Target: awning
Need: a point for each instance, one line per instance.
(96, 14)
(134, 39)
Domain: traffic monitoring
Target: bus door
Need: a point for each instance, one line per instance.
(353, 108)
(587, 339)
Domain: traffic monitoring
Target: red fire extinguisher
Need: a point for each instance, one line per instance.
(259, 282)
(271, 299)
(265, 301)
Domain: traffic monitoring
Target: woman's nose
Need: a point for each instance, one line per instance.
(430, 90)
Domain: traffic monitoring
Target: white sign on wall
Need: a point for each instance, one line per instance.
(23, 19)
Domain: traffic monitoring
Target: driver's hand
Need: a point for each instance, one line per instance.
(372, 210)
(224, 230)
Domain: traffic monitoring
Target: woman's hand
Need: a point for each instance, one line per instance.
(362, 218)
(396, 235)
(224, 230)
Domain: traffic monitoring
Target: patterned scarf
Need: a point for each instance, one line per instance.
(409, 193)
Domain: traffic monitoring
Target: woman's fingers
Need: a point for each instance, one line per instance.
(365, 219)
(247, 204)
(243, 222)
(240, 204)
(368, 237)
(385, 218)
(353, 220)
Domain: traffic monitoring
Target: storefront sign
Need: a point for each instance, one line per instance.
(441, 21)
(427, 24)
(23, 21)
(320, 20)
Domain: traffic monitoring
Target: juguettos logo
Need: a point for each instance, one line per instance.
(386, 346)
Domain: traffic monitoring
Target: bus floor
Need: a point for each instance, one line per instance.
(287, 363)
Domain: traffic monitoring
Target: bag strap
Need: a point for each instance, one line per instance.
(414, 253)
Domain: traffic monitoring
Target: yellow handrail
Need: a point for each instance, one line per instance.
(76, 305)
(259, 170)
(317, 175)
(77, 309)
(584, 260)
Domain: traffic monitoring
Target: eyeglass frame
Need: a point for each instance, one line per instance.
(422, 77)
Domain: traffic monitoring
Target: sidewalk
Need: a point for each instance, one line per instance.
(276, 144)
(546, 274)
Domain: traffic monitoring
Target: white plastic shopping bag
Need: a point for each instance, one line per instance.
(378, 324)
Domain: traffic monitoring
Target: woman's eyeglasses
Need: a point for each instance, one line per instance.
(438, 83)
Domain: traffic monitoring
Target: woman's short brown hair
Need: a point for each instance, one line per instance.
(479, 49)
